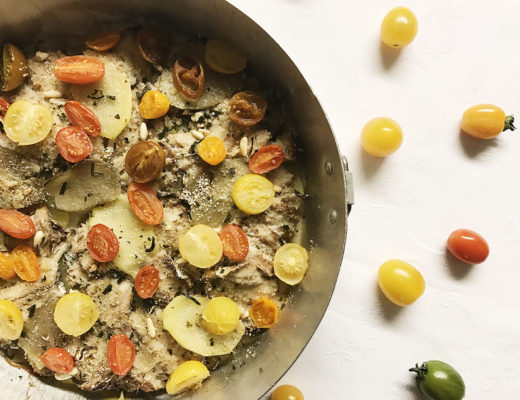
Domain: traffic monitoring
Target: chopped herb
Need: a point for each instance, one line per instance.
(231, 171)
(181, 215)
(32, 309)
(111, 97)
(63, 188)
(96, 94)
(94, 173)
(105, 142)
(108, 289)
(62, 117)
(211, 342)
(117, 116)
(139, 95)
(94, 104)
(191, 298)
(228, 218)
(164, 132)
(100, 334)
(85, 199)
(150, 249)
(193, 146)
(286, 227)
(126, 140)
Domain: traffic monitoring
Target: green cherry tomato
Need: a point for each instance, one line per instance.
(401, 283)
(439, 381)
(399, 27)
(381, 136)
(287, 392)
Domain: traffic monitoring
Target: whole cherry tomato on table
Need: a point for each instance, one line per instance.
(287, 392)
(401, 282)
(381, 137)
(468, 246)
(439, 381)
(486, 121)
(399, 27)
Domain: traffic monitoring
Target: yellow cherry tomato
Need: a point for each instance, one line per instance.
(26, 123)
(201, 246)
(264, 313)
(381, 137)
(221, 316)
(253, 193)
(287, 392)
(212, 150)
(186, 376)
(75, 313)
(223, 57)
(401, 282)
(399, 27)
(11, 320)
(154, 104)
(290, 263)
(486, 121)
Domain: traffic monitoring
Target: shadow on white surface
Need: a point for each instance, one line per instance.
(413, 391)
(474, 147)
(388, 55)
(456, 268)
(389, 310)
(370, 164)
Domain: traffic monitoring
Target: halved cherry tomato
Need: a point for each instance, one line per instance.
(152, 44)
(83, 117)
(234, 242)
(103, 41)
(266, 159)
(58, 360)
(73, 144)
(102, 243)
(147, 281)
(16, 224)
(79, 70)
(144, 161)
(120, 354)
(4, 106)
(26, 264)
(145, 203)
(7, 266)
(468, 246)
(188, 77)
(264, 313)
(247, 108)
(212, 150)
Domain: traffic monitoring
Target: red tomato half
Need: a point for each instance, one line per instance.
(4, 106)
(147, 281)
(83, 117)
(468, 246)
(120, 354)
(266, 159)
(58, 360)
(234, 242)
(145, 203)
(79, 69)
(73, 144)
(16, 224)
(102, 243)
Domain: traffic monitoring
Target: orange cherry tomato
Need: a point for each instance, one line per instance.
(234, 242)
(58, 360)
(102, 243)
(212, 150)
(120, 354)
(147, 281)
(4, 106)
(26, 264)
(188, 77)
(145, 203)
(468, 246)
(7, 266)
(73, 144)
(16, 224)
(83, 117)
(247, 108)
(79, 70)
(266, 159)
(103, 41)
(264, 313)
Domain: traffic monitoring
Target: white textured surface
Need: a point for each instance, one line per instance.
(466, 52)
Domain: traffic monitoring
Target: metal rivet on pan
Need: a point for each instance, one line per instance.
(328, 167)
(333, 216)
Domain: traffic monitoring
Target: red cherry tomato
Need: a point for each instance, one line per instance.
(468, 246)
(102, 243)
(120, 354)
(234, 242)
(80, 70)
(145, 203)
(73, 144)
(16, 224)
(83, 117)
(58, 360)
(147, 281)
(4, 106)
(266, 159)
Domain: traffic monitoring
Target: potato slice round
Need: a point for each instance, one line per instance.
(182, 318)
(110, 99)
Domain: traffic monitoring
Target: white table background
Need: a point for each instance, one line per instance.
(466, 53)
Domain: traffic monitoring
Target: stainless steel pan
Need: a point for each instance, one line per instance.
(328, 182)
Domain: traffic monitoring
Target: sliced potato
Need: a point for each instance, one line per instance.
(83, 187)
(182, 319)
(110, 99)
(136, 239)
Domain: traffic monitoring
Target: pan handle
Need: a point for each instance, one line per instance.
(349, 185)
